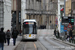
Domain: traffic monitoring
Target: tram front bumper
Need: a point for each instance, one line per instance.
(27, 37)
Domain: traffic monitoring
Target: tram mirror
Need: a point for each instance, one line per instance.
(34, 23)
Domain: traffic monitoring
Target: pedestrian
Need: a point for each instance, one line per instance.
(2, 39)
(14, 36)
(67, 34)
(58, 34)
(55, 32)
(20, 32)
(8, 35)
(71, 34)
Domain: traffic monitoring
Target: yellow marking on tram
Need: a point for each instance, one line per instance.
(29, 35)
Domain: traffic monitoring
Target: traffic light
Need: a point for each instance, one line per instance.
(71, 20)
(61, 11)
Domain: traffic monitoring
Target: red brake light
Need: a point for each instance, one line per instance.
(26, 22)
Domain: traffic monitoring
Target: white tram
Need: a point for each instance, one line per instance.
(29, 30)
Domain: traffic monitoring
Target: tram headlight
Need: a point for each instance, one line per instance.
(34, 35)
(25, 35)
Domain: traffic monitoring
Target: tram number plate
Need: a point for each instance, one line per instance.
(29, 35)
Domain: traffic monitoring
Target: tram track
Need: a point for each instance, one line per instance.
(60, 42)
(46, 43)
(20, 46)
(30, 46)
(41, 46)
(43, 43)
(63, 43)
(58, 45)
(53, 45)
(49, 42)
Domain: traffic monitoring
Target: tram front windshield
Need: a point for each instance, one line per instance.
(29, 28)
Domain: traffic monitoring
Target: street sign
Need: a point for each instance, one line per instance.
(62, 28)
(71, 20)
(65, 21)
(69, 26)
(65, 28)
(68, 20)
(56, 20)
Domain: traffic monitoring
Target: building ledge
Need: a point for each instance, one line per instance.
(40, 12)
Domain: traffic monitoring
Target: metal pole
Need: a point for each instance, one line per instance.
(64, 14)
(48, 16)
(64, 7)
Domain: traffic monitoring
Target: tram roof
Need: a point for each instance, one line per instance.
(29, 20)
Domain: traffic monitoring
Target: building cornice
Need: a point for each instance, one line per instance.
(40, 12)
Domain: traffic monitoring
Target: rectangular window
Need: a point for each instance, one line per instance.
(38, 0)
(1, 14)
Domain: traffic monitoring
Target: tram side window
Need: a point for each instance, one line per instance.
(34, 29)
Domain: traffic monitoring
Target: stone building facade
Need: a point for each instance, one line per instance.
(68, 8)
(5, 14)
(73, 8)
(1, 13)
(16, 14)
(44, 11)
